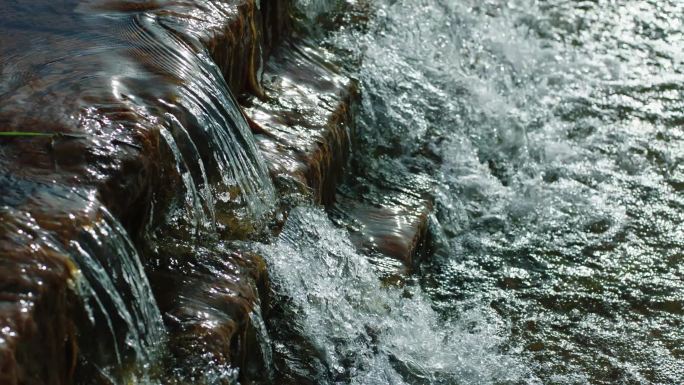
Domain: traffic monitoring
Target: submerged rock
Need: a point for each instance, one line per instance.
(387, 213)
(391, 223)
(124, 155)
(35, 301)
(209, 297)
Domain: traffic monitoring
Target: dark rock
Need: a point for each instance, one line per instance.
(34, 304)
(61, 255)
(396, 226)
(387, 215)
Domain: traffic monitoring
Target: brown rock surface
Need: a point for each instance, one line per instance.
(119, 99)
(303, 126)
(210, 296)
(123, 107)
(34, 301)
(387, 215)
(302, 129)
(61, 253)
(395, 225)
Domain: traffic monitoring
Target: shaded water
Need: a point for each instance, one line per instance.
(114, 74)
(552, 132)
(122, 314)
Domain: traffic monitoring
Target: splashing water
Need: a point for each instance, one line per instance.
(362, 333)
(553, 134)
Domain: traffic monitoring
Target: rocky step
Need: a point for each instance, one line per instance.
(303, 122)
(387, 214)
(112, 106)
(392, 223)
(35, 296)
(209, 293)
(304, 128)
(62, 297)
(212, 302)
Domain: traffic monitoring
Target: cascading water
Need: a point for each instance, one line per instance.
(120, 330)
(355, 331)
(212, 144)
(117, 106)
(118, 302)
(552, 133)
(548, 134)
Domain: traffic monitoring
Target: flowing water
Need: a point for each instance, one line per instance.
(552, 133)
(549, 134)
(121, 311)
(120, 330)
(89, 85)
(355, 331)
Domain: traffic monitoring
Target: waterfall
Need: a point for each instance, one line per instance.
(539, 142)
(119, 327)
(117, 298)
(203, 125)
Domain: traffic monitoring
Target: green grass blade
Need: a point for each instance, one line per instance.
(23, 134)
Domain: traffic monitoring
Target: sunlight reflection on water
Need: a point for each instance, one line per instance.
(557, 132)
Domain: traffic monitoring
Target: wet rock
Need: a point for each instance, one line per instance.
(60, 279)
(303, 126)
(129, 104)
(387, 216)
(34, 304)
(121, 100)
(108, 79)
(395, 225)
(239, 36)
(209, 297)
(385, 203)
(304, 130)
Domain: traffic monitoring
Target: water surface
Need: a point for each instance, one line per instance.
(552, 134)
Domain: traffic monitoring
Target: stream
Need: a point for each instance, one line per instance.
(552, 135)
